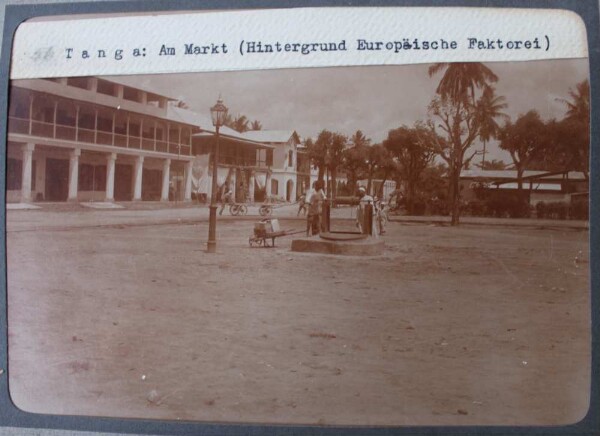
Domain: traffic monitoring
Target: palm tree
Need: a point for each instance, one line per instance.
(240, 123)
(489, 108)
(456, 108)
(577, 120)
(460, 80)
(256, 125)
(578, 108)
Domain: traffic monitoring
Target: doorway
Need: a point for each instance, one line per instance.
(123, 182)
(57, 180)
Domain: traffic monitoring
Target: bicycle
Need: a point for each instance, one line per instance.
(236, 209)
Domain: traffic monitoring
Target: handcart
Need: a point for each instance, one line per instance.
(268, 229)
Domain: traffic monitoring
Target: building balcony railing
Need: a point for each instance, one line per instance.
(91, 136)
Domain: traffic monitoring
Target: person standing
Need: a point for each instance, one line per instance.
(315, 209)
(227, 199)
(364, 200)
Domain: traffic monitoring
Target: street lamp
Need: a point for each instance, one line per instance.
(218, 114)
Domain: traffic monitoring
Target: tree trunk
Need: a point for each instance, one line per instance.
(321, 174)
(410, 197)
(455, 196)
(333, 183)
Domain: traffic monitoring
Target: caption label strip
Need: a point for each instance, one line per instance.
(292, 38)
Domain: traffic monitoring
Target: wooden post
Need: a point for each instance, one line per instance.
(54, 121)
(77, 123)
(114, 120)
(95, 126)
(31, 114)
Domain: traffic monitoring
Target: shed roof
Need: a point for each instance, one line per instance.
(506, 175)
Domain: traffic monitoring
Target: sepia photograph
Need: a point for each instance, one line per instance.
(382, 245)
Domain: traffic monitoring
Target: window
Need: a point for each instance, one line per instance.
(131, 94)
(78, 82)
(87, 118)
(274, 187)
(269, 158)
(106, 88)
(19, 103)
(65, 113)
(290, 158)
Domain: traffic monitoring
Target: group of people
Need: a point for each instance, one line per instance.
(311, 203)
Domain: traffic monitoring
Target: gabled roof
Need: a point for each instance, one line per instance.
(273, 136)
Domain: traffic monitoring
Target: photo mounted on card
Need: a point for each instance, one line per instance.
(340, 216)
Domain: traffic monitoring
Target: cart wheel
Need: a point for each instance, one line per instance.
(234, 209)
(243, 209)
(265, 210)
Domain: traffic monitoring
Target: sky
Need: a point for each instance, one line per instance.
(374, 99)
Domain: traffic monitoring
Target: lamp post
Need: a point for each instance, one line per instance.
(218, 114)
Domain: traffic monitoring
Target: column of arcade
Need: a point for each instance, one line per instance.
(111, 158)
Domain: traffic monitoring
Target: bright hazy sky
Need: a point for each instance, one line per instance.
(372, 99)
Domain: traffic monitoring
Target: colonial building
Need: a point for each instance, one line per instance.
(289, 173)
(94, 139)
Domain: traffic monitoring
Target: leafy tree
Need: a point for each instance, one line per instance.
(412, 149)
(317, 152)
(326, 154)
(455, 112)
(355, 158)
(378, 160)
(524, 140)
(335, 151)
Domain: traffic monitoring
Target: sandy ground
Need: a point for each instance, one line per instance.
(470, 325)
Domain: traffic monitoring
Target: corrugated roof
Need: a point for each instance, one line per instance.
(535, 186)
(512, 174)
(496, 174)
(269, 135)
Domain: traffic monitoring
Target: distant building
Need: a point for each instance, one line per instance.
(287, 179)
(540, 186)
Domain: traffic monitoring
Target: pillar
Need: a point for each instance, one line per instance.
(164, 196)
(26, 172)
(73, 174)
(268, 185)
(137, 178)
(233, 183)
(251, 187)
(110, 176)
(187, 193)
